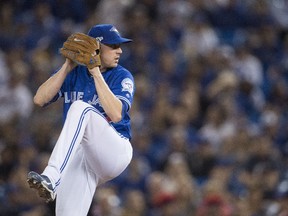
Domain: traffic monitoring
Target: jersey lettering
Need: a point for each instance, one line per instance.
(94, 100)
(73, 96)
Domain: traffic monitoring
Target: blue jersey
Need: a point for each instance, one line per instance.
(80, 85)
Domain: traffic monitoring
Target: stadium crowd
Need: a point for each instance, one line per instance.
(210, 114)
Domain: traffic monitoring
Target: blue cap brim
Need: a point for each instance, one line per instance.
(117, 41)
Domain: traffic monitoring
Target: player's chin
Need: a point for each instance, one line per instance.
(114, 64)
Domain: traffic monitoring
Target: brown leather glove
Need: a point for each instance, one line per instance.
(82, 49)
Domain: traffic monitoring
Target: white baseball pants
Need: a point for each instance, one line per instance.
(88, 152)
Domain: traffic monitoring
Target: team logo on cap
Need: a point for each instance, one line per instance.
(114, 30)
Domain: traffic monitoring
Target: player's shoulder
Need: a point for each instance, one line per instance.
(121, 72)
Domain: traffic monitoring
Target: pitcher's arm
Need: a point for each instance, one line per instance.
(51, 87)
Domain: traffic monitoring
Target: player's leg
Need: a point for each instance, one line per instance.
(107, 152)
(104, 155)
(64, 150)
(77, 188)
(70, 138)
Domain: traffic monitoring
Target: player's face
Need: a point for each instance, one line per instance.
(110, 55)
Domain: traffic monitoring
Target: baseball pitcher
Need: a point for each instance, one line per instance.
(94, 144)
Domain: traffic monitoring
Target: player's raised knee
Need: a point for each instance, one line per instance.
(79, 105)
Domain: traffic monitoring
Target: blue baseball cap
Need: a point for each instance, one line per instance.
(107, 34)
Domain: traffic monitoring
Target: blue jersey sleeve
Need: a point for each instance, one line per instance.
(123, 87)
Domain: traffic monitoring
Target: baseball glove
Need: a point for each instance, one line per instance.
(82, 49)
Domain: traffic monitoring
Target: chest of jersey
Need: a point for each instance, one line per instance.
(80, 85)
(81, 91)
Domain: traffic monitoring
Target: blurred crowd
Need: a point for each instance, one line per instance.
(210, 114)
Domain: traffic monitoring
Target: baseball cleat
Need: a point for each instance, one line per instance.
(42, 184)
